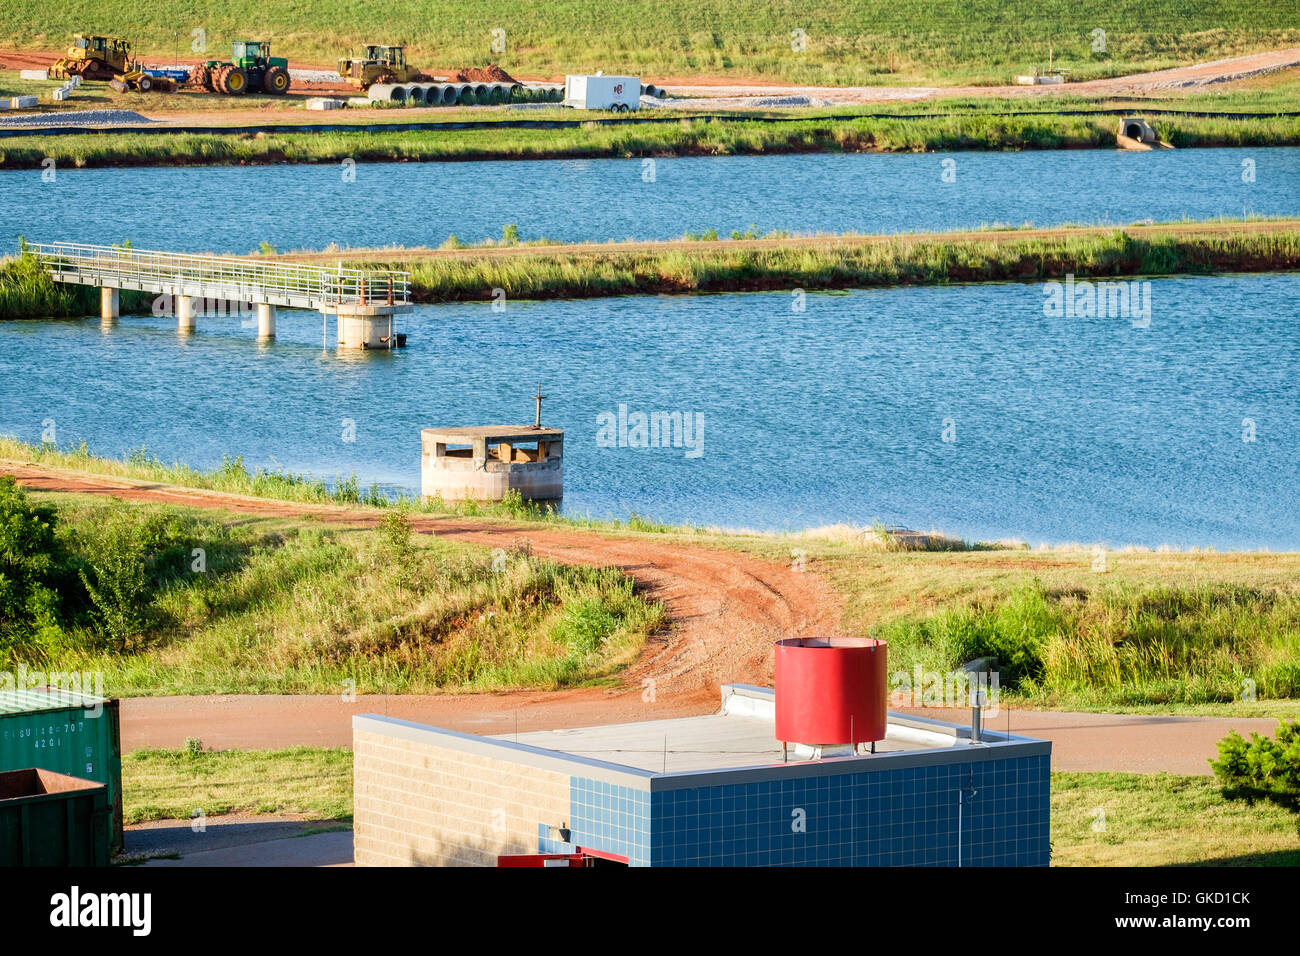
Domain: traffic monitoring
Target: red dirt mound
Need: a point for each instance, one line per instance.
(487, 74)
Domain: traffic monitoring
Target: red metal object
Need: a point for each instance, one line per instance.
(584, 857)
(831, 690)
(542, 859)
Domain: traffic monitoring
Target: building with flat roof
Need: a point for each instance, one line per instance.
(715, 790)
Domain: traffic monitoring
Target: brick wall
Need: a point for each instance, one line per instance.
(424, 802)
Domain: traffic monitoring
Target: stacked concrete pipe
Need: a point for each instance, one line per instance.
(387, 93)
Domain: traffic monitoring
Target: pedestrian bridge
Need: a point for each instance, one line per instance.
(365, 300)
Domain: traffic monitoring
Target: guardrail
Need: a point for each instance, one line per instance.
(77, 262)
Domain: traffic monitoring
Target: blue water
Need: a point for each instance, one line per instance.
(1065, 429)
(296, 207)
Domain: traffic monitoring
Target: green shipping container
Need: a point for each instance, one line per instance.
(68, 733)
(52, 819)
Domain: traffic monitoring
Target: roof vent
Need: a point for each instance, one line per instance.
(831, 692)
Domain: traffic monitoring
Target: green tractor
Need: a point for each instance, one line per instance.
(252, 70)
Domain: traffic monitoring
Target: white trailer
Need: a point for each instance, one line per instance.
(601, 92)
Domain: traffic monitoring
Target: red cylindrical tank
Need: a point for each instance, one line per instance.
(831, 690)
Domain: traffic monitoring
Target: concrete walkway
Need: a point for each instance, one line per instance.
(1134, 743)
(239, 840)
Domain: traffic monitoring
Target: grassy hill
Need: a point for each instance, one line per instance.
(847, 41)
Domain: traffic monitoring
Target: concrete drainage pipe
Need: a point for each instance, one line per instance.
(387, 93)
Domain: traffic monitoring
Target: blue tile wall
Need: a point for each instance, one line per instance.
(609, 817)
(905, 817)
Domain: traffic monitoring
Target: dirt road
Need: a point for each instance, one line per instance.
(711, 92)
(725, 95)
(727, 609)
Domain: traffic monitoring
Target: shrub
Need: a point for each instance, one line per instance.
(1262, 769)
(32, 564)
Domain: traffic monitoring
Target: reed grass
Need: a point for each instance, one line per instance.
(296, 606)
(687, 137)
(554, 273)
(1129, 644)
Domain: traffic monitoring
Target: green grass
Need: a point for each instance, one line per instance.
(234, 478)
(1156, 632)
(1129, 819)
(1127, 644)
(315, 782)
(686, 137)
(27, 291)
(848, 41)
(1098, 819)
(297, 606)
(551, 273)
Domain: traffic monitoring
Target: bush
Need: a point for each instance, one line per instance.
(32, 564)
(1262, 769)
(128, 555)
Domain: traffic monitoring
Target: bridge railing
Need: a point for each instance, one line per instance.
(239, 275)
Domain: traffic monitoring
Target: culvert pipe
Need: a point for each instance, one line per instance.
(482, 93)
(498, 93)
(387, 93)
(445, 93)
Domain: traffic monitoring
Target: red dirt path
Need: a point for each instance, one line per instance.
(726, 610)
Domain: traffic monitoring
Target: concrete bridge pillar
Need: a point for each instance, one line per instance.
(108, 304)
(184, 313)
(265, 321)
(364, 331)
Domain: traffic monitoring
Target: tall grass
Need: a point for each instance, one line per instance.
(689, 137)
(847, 41)
(296, 608)
(556, 271)
(27, 291)
(1131, 644)
(234, 477)
(552, 272)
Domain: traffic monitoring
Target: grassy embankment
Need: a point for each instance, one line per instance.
(686, 137)
(831, 262)
(167, 600)
(1156, 631)
(1098, 819)
(841, 263)
(847, 41)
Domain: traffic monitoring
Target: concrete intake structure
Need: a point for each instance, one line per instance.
(486, 463)
(365, 300)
